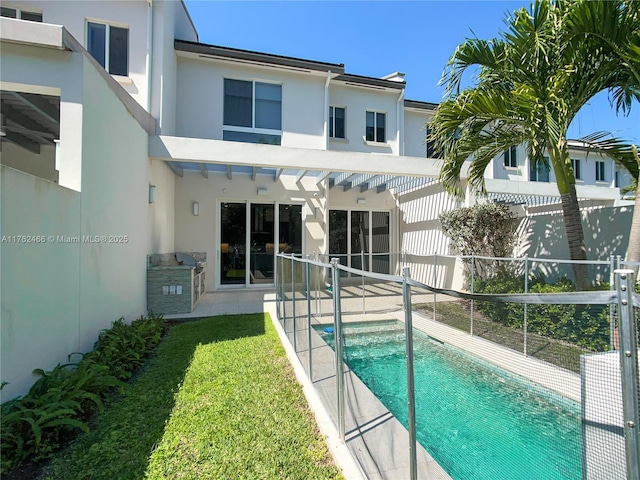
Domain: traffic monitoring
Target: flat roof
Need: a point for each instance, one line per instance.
(256, 57)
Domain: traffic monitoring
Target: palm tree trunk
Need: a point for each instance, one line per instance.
(575, 236)
(633, 250)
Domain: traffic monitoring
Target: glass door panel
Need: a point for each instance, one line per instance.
(359, 239)
(338, 235)
(262, 244)
(290, 228)
(380, 242)
(233, 237)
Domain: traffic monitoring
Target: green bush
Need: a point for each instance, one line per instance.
(61, 401)
(584, 325)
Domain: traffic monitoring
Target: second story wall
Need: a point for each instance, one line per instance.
(415, 133)
(200, 98)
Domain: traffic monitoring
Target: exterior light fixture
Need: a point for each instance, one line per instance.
(152, 193)
(196, 209)
(362, 200)
(262, 191)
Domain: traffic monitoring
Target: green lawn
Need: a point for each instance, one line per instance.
(219, 400)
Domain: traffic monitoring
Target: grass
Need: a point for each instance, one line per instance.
(219, 400)
(457, 315)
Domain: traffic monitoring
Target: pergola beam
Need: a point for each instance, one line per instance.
(203, 170)
(39, 104)
(177, 169)
(23, 142)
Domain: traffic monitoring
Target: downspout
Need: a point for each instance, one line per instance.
(149, 50)
(326, 110)
(400, 133)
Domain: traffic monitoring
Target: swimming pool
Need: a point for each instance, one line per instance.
(476, 420)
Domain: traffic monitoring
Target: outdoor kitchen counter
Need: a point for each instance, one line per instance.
(173, 288)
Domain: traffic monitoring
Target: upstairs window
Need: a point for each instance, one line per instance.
(376, 127)
(253, 110)
(600, 172)
(540, 172)
(511, 157)
(431, 149)
(337, 117)
(109, 45)
(20, 14)
(575, 166)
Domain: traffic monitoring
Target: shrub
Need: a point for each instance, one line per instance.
(60, 402)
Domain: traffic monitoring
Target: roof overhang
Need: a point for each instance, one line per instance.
(256, 58)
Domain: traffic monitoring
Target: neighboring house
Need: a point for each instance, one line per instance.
(123, 136)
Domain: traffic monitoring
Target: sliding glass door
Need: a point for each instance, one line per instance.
(357, 236)
(248, 233)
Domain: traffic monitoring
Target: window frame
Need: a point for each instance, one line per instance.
(601, 171)
(577, 168)
(107, 43)
(536, 177)
(375, 140)
(253, 128)
(332, 122)
(510, 157)
(19, 12)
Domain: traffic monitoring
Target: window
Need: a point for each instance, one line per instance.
(616, 179)
(109, 45)
(600, 172)
(575, 166)
(20, 14)
(431, 149)
(376, 124)
(254, 109)
(510, 157)
(540, 172)
(336, 122)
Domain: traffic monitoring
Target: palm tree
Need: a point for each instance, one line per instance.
(614, 28)
(531, 83)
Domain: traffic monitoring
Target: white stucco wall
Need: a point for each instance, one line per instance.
(357, 101)
(39, 280)
(57, 296)
(415, 133)
(161, 212)
(41, 165)
(131, 14)
(200, 100)
(201, 233)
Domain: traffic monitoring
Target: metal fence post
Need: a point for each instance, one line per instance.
(625, 280)
(337, 329)
(306, 278)
(276, 275)
(473, 274)
(526, 310)
(284, 298)
(293, 301)
(612, 309)
(319, 277)
(435, 279)
(411, 393)
(364, 309)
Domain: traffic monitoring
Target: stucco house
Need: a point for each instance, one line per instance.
(123, 136)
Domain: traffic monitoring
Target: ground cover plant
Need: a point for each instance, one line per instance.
(217, 400)
(61, 401)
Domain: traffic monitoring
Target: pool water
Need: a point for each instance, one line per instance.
(476, 420)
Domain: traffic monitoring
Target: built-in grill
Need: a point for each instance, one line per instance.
(188, 260)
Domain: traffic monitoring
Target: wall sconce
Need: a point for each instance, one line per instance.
(196, 208)
(362, 200)
(152, 193)
(262, 191)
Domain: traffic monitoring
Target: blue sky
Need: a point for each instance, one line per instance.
(375, 38)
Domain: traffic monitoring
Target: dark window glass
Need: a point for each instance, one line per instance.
(380, 127)
(238, 99)
(268, 106)
(8, 12)
(380, 241)
(600, 172)
(31, 16)
(540, 172)
(336, 122)
(371, 127)
(431, 149)
(251, 137)
(96, 41)
(510, 157)
(290, 228)
(575, 165)
(119, 51)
